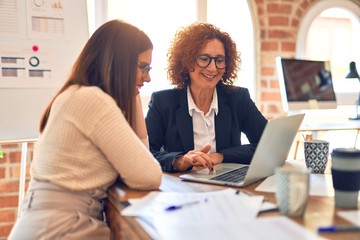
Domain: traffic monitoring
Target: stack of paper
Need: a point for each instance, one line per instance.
(224, 204)
(224, 214)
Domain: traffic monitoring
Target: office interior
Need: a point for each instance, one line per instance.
(263, 29)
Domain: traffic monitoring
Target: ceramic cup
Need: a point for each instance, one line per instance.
(345, 170)
(292, 190)
(316, 155)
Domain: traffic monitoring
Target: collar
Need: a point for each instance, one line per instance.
(193, 107)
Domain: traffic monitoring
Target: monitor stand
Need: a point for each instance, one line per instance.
(357, 117)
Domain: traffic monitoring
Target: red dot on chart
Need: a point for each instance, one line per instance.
(35, 48)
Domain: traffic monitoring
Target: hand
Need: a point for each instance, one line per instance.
(197, 158)
(217, 158)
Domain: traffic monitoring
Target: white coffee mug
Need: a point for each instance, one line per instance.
(292, 190)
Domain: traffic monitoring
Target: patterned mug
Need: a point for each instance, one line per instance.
(316, 155)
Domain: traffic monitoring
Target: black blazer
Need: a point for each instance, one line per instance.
(170, 127)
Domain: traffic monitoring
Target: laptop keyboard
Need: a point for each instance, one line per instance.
(234, 176)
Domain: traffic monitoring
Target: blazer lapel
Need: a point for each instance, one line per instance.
(222, 120)
(184, 122)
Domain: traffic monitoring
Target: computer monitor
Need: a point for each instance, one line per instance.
(305, 84)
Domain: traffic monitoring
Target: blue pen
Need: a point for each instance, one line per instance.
(176, 207)
(334, 228)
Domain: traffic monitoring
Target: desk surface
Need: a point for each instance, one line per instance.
(329, 125)
(320, 210)
(328, 120)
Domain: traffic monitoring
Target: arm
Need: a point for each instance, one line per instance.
(122, 147)
(248, 120)
(164, 134)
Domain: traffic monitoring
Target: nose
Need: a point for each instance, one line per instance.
(147, 78)
(212, 65)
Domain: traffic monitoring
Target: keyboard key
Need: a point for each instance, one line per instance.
(234, 176)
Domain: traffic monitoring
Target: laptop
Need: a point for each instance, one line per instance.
(271, 152)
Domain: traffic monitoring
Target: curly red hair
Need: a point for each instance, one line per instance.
(188, 43)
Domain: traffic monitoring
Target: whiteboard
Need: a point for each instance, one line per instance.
(37, 51)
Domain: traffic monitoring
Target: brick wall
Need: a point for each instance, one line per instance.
(276, 26)
(9, 184)
(276, 22)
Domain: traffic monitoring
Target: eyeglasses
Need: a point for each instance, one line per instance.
(204, 60)
(145, 68)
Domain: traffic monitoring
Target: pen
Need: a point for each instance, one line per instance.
(176, 207)
(334, 228)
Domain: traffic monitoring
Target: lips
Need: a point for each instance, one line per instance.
(209, 76)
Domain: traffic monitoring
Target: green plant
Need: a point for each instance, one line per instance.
(1, 154)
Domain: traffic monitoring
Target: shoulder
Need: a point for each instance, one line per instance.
(233, 92)
(168, 99)
(89, 94)
(82, 97)
(168, 93)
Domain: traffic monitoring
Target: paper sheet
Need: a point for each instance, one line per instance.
(223, 205)
(226, 206)
(352, 216)
(271, 228)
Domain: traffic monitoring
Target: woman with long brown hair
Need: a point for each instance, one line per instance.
(91, 133)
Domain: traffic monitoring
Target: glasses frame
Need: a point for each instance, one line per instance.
(145, 68)
(212, 58)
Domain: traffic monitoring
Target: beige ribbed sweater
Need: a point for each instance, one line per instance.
(87, 144)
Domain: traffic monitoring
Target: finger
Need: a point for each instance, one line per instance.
(206, 157)
(206, 148)
(199, 158)
(203, 160)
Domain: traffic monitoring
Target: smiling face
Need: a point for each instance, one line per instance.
(207, 77)
(143, 75)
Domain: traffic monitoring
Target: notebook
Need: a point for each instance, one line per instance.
(271, 152)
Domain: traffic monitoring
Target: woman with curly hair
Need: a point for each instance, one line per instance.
(200, 121)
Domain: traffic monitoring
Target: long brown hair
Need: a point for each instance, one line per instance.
(109, 61)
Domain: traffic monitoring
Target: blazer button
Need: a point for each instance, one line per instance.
(164, 168)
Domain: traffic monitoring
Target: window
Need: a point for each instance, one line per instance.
(331, 31)
(334, 35)
(161, 19)
(238, 23)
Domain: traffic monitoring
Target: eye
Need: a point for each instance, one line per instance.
(220, 59)
(203, 58)
(144, 65)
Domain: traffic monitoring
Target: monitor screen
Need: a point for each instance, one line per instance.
(305, 84)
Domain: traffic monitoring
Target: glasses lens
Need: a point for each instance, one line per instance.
(145, 68)
(204, 60)
(220, 62)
